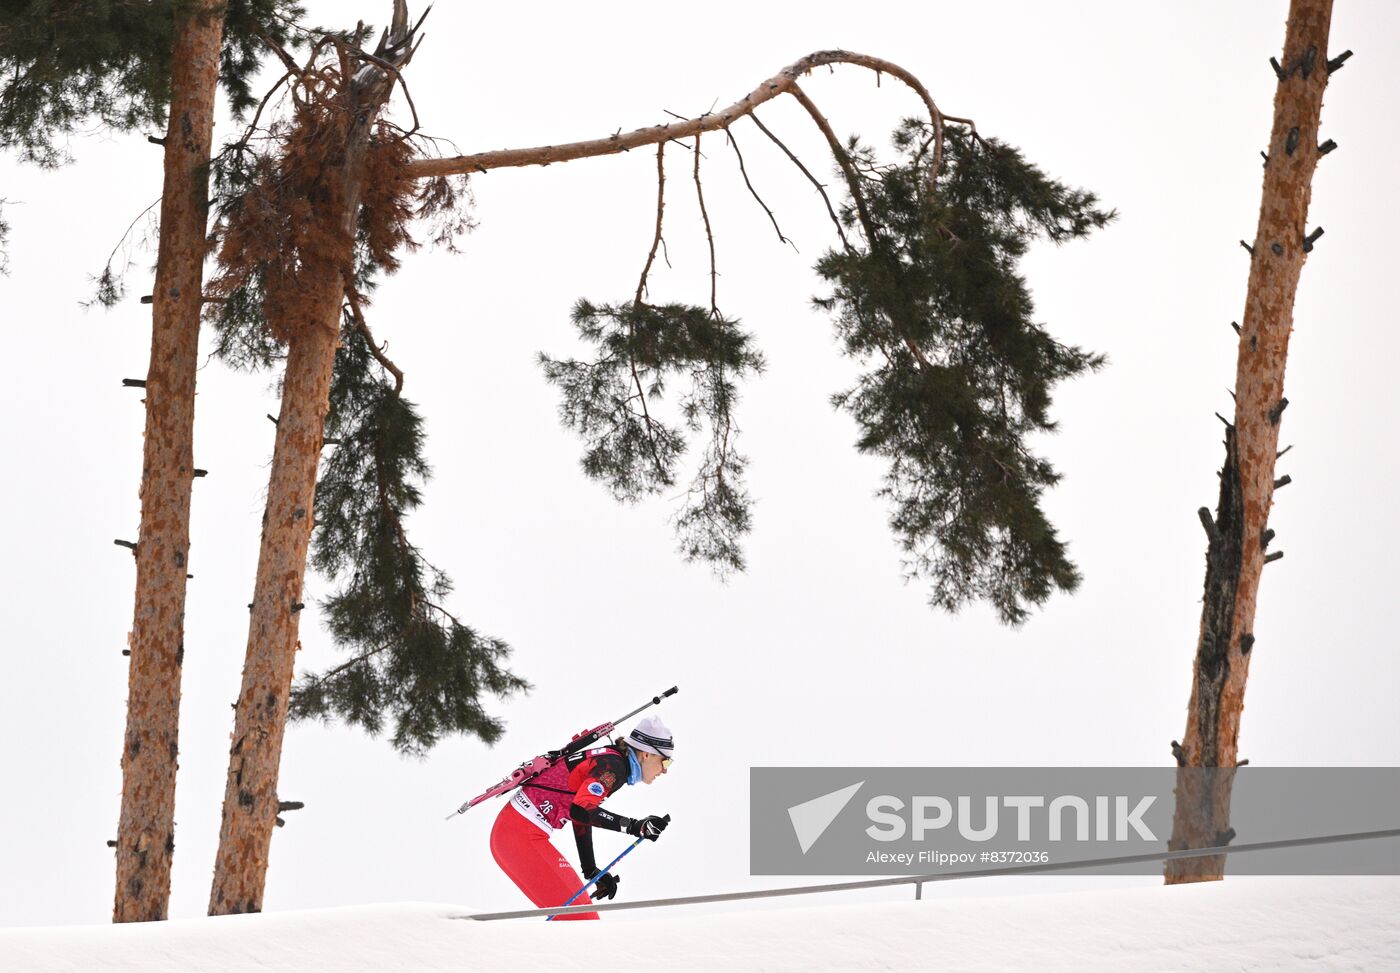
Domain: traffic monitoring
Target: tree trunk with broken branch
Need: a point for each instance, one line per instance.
(1239, 534)
(343, 111)
(781, 83)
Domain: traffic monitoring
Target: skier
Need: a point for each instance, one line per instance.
(573, 790)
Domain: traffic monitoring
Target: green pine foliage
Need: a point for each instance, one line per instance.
(959, 377)
(241, 338)
(617, 404)
(414, 665)
(414, 669)
(246, 23)
(960, 374)
(67, 64)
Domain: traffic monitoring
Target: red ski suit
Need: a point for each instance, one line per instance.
(570, 790)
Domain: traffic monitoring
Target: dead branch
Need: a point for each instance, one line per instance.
(852, 177)
(660, 207)
(841, 231)
(253, 125)
(729, 136)
(398, 75)
(352, 301)
(784, 81)
(281, 53)
(709, 235)
(641, 287)
(121, 242)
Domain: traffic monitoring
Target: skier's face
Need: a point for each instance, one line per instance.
(653, 766)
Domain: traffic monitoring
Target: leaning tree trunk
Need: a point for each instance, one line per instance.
(1239, 534)
(146, 830)
(260, 720)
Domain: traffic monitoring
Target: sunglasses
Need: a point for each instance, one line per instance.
(666, 763)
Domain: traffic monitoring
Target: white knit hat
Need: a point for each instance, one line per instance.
(653, 736)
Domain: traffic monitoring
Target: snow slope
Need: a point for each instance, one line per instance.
(1240, 924)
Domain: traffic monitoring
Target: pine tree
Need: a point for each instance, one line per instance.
(127, 66)
(303, 227)
(1239, 535)
(146, 832)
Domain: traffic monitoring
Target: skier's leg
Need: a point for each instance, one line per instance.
(526, 854)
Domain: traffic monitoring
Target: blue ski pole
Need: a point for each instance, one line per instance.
(595, 878)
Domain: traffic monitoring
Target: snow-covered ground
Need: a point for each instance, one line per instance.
(1239, 924)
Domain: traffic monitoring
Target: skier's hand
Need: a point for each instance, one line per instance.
(649, 827)
(606, 886)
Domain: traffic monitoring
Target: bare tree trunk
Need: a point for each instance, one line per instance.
(1239, 535)
(146, 830)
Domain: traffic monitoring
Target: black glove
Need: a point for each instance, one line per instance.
(648, 827)
(606, 886)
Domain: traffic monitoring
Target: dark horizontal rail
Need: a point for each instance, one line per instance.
(919, 880)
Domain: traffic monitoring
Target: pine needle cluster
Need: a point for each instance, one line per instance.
(615, 402)
(960, 374)
(415, 664)
(69, 63)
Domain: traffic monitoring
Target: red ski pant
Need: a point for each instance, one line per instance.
(526, 854)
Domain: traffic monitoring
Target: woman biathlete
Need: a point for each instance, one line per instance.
(573, 790)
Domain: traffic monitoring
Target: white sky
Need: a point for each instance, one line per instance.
(820, 654)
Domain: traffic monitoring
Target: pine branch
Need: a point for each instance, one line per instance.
(660, 208)
(840, 230)
(842, 159)
(941, 274)
(414, 663)
(709, 235)
(783, 82)
(857, 194)
(729, 137)
(357, 316)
